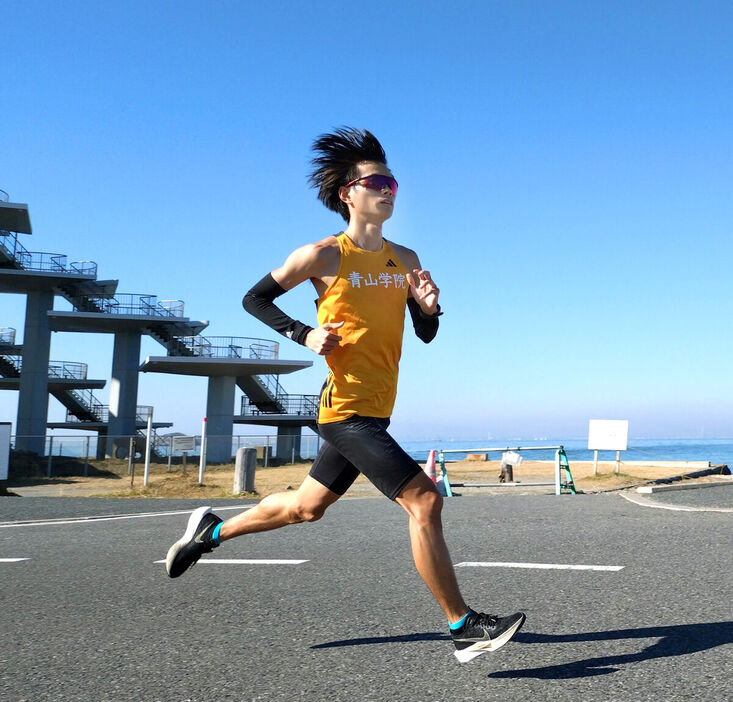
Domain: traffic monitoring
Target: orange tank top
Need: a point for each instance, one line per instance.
(369, 295)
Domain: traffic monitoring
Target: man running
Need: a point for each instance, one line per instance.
(364, 283)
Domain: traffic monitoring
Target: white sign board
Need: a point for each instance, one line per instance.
(4, 449)
(184, 443)
(608, 434)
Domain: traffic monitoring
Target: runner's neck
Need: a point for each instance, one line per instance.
(365, 235)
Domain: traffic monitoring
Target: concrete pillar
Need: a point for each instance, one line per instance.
(101, 444)
(5, 430)
(33, 398)
(288, 438)
(220, 415)
(123, 391)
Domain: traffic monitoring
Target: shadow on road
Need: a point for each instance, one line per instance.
(677, 640)
(405, 638)
(673, 641)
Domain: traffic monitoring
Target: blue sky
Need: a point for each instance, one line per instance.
(565, 173)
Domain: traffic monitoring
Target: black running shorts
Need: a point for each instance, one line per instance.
(362, 445)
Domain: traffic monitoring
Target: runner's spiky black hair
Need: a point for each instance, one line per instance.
(336, 160)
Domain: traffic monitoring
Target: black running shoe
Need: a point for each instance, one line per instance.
(484, 632)
(194, 543)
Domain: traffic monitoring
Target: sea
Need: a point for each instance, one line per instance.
(714, 451)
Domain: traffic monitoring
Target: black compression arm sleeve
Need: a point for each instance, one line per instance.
(426, 325)
(259, 303)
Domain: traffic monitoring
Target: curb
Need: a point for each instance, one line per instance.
(718, 469)
(667, 488)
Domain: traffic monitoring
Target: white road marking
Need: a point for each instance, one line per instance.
(13, 560)
(645, 502)
(541, 566)
(252, 561)
(83, 520)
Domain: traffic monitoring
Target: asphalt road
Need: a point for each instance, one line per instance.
(91, 616)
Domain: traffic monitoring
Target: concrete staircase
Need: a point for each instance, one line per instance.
(264, 392)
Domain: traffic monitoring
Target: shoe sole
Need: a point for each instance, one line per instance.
(193, 521)
(480, 647)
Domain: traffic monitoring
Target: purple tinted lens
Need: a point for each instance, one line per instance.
(377, 182)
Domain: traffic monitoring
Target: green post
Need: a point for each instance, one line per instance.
(567, 483)
(444, 476)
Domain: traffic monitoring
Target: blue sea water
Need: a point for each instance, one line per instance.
(713, 450)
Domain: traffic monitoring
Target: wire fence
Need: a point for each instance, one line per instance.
(80, 455)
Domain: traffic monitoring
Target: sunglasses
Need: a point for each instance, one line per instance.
(375, 182)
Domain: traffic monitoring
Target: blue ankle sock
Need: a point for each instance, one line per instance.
(215, 533)
(460, 622)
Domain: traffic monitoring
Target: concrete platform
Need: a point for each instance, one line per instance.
(103, 289)
(21, 281)
(11, 349)
(14, 217)
(222, 375)
(97, 426)
(103, 323)
(57, 384)
(215, 367)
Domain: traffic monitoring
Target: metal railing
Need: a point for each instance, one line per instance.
(272, 385)
(4, 197)
(174, 307)
(264, 349)
(269, 382)
(67, 369)
(230, 347)
(88, 401)
(7, 336)
(84, 267)
(132, 303)
(10, 245)
(142, 412)
(197, 345)
(560, 459)
(41, 260)
(245, 347)
(56, 369)
(305, 405)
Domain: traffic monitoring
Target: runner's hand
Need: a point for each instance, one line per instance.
(424, 290)
(321, 340)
